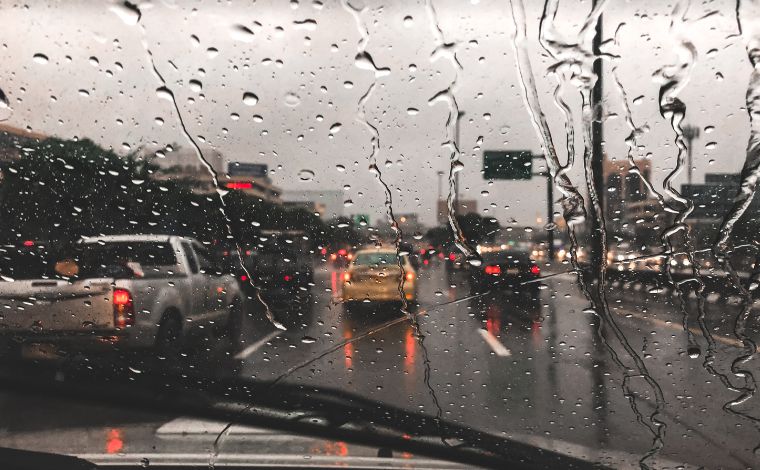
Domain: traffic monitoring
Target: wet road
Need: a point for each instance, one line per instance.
(543, 370)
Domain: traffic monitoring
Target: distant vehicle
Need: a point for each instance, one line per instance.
(121, 292)
(375, 275)
(506, 268)
(278, 269)
(427, 255)
(455, 260)
(341, 257)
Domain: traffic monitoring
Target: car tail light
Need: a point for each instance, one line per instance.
(323, 251)
(287, 277)
(346, 277)
(123, 308)
(493, 270)
(28, 243)
(342, 252)
(243, 278)
(535, 270)
(425, 262)
(409, 276)
(452, 256)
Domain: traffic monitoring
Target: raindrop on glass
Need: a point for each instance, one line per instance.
(195, 85)
(250, 99)
(292, 100)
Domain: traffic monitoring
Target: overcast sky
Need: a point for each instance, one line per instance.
(96, 82)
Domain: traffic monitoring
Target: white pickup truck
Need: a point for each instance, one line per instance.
(123, 292)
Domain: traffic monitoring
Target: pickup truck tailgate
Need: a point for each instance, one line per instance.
(41, 306)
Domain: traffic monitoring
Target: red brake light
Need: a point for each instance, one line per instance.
(493, 270)
(535, 270)
(342, 252)
(239, 185)
(323, 251)
(287, 277)
(248, 252)
(452, 256)
(28, 243)
(123, 308)
(243, 278)
(425, 262)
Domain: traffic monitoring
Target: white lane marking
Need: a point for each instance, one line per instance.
(677, 326)
(496, 346)
(187, 426)
(257, 345)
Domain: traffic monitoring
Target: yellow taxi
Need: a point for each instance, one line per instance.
(375, 275)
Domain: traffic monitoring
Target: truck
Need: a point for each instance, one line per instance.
(122, 292)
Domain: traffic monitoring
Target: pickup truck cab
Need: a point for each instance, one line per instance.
(118, 291)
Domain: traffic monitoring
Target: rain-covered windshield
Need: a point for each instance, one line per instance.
(191, 193)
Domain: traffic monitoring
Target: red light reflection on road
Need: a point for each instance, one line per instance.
(410, 349)
(348, 349)
(493, 320)
(114, 443)
(334, 284)
(337, 448)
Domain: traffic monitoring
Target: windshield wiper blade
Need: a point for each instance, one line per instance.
(292, 408)
(21, 459)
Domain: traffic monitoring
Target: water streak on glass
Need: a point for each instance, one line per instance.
(575, 58)
(362, 59)
(166, 92)
(447, 50)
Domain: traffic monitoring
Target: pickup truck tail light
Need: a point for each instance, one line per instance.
(123, 308)
(494, 270)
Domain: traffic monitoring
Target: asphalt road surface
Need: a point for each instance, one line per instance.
(540, 370)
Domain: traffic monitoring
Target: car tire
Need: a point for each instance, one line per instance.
(170, 335)
(234, 326)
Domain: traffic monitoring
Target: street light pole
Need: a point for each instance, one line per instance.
(457, 141)
(690, 133)
(597, 136)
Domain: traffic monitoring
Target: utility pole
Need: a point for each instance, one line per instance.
(457, 141)
(690, 133)
(597, 136)
(438, 214)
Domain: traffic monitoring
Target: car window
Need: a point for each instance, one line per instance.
(376, 259)
(204, 259)
(190, 258)
(569, 186)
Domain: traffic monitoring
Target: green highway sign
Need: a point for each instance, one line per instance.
(361, 219)
(507, 164)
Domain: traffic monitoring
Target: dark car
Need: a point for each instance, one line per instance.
(279, 271)
(506, 268)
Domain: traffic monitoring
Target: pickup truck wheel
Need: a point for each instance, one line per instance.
(234, 323)
(169, 335)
